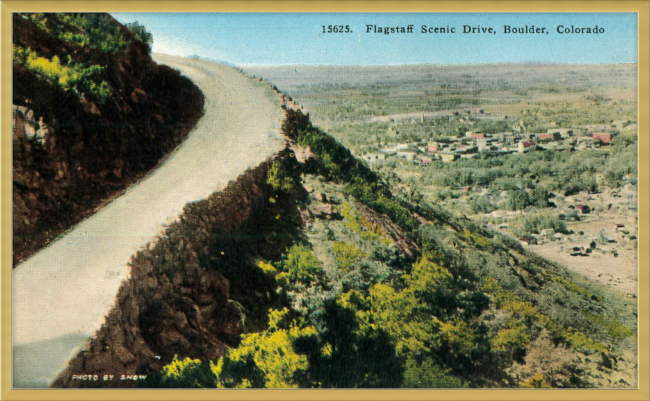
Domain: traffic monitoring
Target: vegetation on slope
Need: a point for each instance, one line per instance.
(466, 308)
(92, 113)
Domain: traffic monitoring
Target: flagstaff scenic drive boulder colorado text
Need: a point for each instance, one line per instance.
(560, 29)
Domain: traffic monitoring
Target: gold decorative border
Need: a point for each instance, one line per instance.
(640, 7)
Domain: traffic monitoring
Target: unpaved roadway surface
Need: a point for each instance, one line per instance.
(62, 293)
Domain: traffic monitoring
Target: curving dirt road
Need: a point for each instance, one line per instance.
(62, 293)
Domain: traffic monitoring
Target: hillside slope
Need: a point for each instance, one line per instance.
(62, 293)
(92, 114)
(337, 282)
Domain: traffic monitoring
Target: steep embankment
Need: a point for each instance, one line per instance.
(92, 114)
(336, 282)
(62, 293)
(187, 291)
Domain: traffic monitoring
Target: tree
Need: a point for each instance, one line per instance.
(518, 200)
(140, 33)
(300, 266)
(539, 196)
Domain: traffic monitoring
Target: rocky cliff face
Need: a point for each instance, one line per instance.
(72, 151)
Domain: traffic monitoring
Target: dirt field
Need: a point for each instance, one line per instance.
(614, 263)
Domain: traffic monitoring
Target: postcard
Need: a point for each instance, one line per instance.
(327, 200)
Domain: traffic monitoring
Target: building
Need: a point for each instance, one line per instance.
(432, 147)
(474, 134)
(549, 137)
(583, 208)
(602, 137)
(525, 146)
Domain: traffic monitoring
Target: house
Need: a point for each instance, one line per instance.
(425, 160)
(549, 137)
(602, 137)
(432, 147)
(525, 146)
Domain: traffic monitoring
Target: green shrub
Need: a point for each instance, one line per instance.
(186, 373)
(478, 239)
(70, 76)
(573, 287)
(368, 230)
(96, 30)
(299, 266)
(537, 381)
(347, 255)
(511, 338)
(277, 178)
(613, 327)
(266, 359)
(373, 196)
(429, 375)
(518, 200)
(508, 301)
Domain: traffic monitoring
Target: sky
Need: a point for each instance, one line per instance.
(297, 38)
